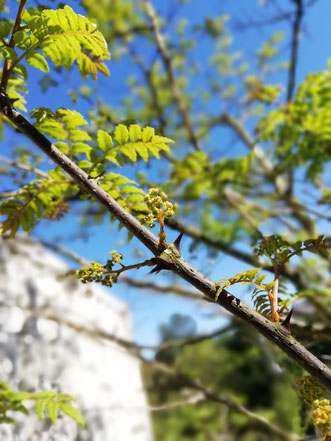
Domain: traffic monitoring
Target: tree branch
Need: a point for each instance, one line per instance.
(196, 234)
(272, 331)
(182, 107)
(6, 66)
(25, 167)
(294, 49)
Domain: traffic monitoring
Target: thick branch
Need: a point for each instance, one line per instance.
(271, 330)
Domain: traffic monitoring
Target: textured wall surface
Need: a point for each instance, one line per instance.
(50, 340)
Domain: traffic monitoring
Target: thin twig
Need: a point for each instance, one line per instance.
(25, 167)
(6, 66)
(166, 58)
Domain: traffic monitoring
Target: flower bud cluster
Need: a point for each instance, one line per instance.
(310, 389)
(158, 203)
(116, 257)
(99, 273)
(322, 416)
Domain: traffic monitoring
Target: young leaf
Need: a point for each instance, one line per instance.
(105, 141)
(147, 134)
(52, 410)
(134, 132)
(121, 134)
(37, 60)
(40, 407)
(73, 413)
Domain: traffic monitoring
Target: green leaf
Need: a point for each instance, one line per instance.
(24, 41)
(71, 118)
(105, 141)
(129, 151)
(73, 413)
(40, 407)
(260, 278)
(84, 164)
(80, 147)
(37, 60)
(52, 128)
(9, 54)
(79, 135)
(121, 134)
(5, 28)
(134, 132)
(20, 70)
(142, 149)
(147, 134)
(66, 37)
(52, 410)
(112, 156)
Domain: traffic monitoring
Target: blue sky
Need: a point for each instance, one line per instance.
(149, 310)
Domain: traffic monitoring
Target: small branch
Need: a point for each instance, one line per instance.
(25, 167)
(6, 66)
(65, 252)
(148, 262)
(166, 58)
(232, 304)
(294, 49)
(196, 234)
(168, 289)
(234, 201)
(245, 137)
(181, 342)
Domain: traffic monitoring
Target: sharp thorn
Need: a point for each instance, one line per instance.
(286, 322)
(177, 241)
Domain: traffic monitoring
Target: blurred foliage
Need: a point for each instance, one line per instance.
(49, 403)
(240, 365)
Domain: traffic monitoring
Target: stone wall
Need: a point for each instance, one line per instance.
(50, 326)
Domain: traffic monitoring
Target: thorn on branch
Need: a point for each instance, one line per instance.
(162, 264)
(177, 242)
(286, 322)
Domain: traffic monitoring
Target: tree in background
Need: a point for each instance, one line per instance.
(246, 177)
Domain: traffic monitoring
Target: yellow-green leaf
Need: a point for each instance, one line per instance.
(147, 134)
(121, 134)
(73, 413)
(37, 60)
(134, 132)
(105, 141)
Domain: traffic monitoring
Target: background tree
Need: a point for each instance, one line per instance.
(247, 171)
